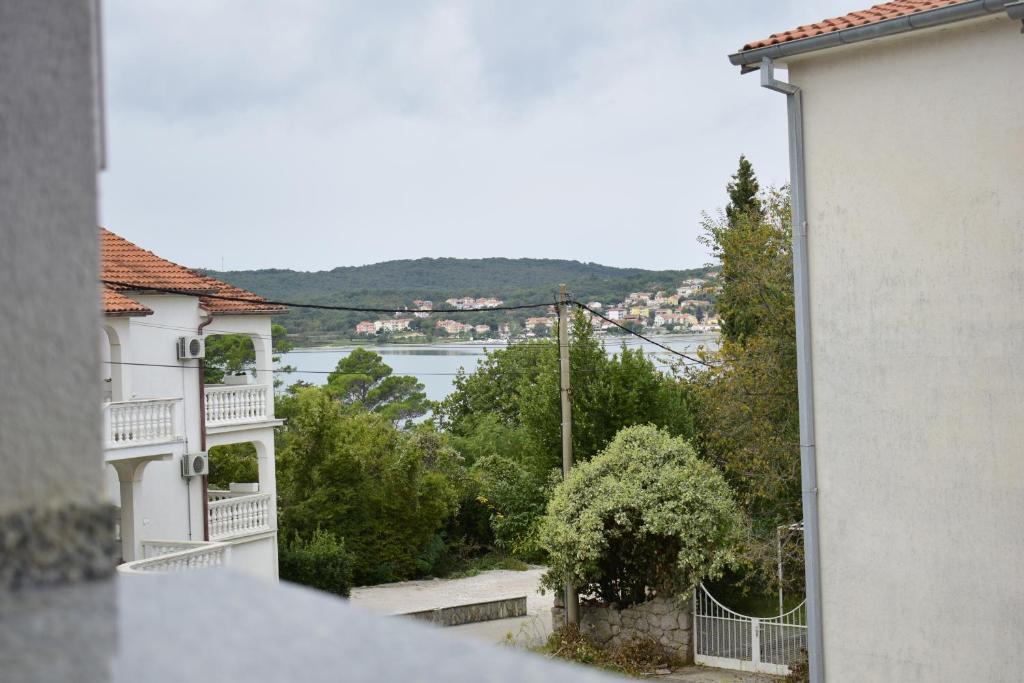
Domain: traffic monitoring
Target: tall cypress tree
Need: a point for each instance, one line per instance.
(743, 193)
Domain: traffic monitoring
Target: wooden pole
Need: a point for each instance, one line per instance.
(572, 606)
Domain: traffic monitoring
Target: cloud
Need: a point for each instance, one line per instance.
(314, 134)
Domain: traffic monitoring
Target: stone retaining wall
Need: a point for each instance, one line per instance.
(473, 612)
(667, 621)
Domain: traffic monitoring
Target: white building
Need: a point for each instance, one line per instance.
(158, 417)
(908, 169)
(393, 325)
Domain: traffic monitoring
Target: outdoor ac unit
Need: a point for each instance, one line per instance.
(191, 347)
(195, 464)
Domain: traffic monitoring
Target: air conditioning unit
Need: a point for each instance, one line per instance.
(191, 347)
(195, 464)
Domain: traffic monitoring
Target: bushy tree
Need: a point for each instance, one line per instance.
(319, 561)
(747, 412)
(386, 492)
(644, 516)
(234, 353)
(233, 463)
(362, 379)
(506, 418)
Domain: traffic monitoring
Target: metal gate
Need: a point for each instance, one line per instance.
(730, 640)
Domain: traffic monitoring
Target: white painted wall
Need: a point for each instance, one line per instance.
(915, 165)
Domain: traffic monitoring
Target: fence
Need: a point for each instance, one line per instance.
(729, 640)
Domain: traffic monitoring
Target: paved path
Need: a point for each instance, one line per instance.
(706, 674)
(414, 596)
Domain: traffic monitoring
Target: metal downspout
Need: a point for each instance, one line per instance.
(801, 292)
(202, 432)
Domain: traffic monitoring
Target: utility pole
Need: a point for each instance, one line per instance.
(572, 605)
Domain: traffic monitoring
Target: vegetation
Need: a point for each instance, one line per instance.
(233, 463)
(363, 380)
(747, 418)
(230, 354)
(386, 492)
(398, 283)
(505, 421)
(319, 562)
(638, 657)
(645, 516)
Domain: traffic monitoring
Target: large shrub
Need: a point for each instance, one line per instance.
(320, 562)
(645, 515)
(387, 492)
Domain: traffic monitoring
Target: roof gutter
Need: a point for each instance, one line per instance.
(750, 60)
(805, 387)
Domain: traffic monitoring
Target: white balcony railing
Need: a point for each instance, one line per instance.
(235, 516)
(141, 421)
(193, 556)
(231, 405)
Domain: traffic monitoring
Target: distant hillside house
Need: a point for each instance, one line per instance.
(482, 329)
(366, 327)
(534, 323)
(453, 327)
(394, 325)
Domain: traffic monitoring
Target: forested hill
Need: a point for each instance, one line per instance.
(398, 283)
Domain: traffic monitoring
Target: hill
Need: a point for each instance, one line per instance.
(398, 283)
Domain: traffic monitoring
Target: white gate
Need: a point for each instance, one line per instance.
(730, 640)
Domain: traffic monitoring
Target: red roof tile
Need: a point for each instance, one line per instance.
(136, 269)
(115, 303)
(886, 10)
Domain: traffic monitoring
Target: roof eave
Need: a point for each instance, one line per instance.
(750, 60)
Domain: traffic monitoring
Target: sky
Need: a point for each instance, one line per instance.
(312, 134)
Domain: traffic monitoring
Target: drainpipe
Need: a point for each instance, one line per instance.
(202, 432)
(801, 292)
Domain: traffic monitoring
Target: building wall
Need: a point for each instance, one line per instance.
(53, 525)
(915, 188)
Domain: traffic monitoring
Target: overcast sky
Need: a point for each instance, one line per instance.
(310, 134)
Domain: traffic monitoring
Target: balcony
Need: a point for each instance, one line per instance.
(230, 405)
(233, 515)
(176, 556)
(142, 422)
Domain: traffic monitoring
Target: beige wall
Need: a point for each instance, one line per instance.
(915, 167)
(49, 253)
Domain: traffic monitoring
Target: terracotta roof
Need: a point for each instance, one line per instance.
(115, 303)
(881, 12)
(139, 270)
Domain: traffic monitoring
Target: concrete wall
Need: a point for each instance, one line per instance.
(51, 477)
(915, 165)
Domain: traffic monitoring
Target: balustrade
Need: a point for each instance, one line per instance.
(239, 515)
(201, 556)
(142, 421)
(227, 405)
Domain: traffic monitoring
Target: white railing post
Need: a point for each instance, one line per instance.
(236, 404)
(755, 641)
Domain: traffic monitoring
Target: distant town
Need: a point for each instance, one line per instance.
(689, 309)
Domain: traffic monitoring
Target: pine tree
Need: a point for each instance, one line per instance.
(743, 193)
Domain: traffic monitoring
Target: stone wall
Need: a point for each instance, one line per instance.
(456, 615)
(666, 621)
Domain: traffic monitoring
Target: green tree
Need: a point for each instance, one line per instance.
(233, 463)
(505, 418)
(747, 416)
(351, 473)
(644, 515)
(235, 353)
(743, 193)
(363, 380)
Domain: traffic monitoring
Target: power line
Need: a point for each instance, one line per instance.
(646, 339)
(322, 307)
